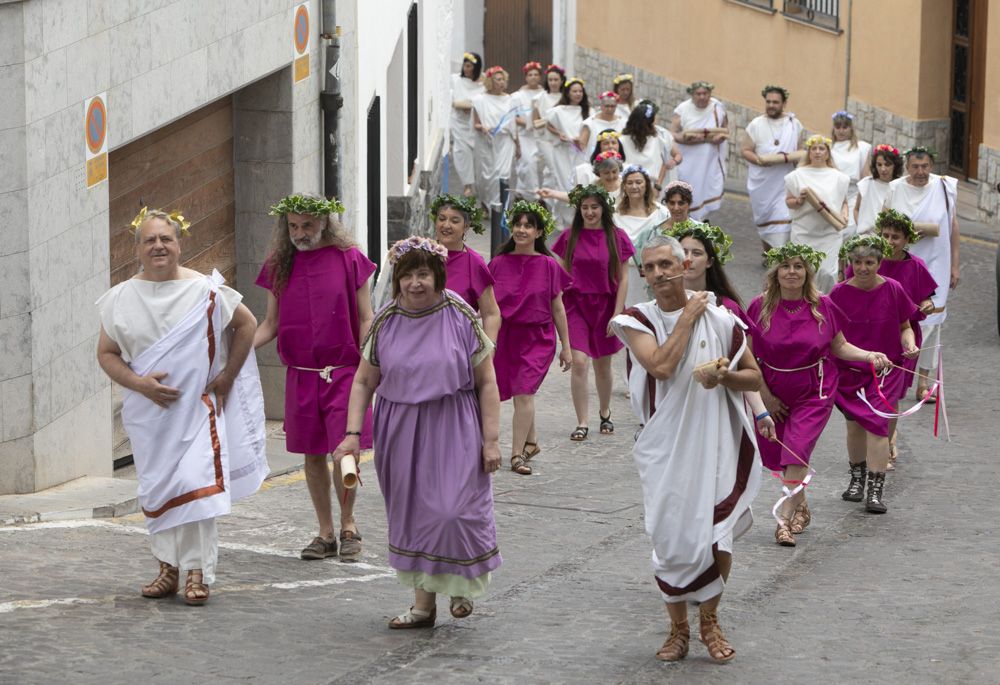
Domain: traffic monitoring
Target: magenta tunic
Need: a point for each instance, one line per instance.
(468, 275)
(429, 440)
(911, 273)
(874, 320)
(525, 287)
(590, 299)
(800, 345)
(318, 327)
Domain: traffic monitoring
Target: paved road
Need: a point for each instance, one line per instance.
(908, 597)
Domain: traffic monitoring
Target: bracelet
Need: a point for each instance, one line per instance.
(357, 433)
(763, 415)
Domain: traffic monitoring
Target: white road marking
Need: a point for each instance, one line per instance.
(7, 607)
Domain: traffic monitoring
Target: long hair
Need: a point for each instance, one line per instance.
(597, 148)
(844, 120)
(716, 281)
(625, 203)
(584, 103)
(477, 66)
(609, 235)
(279, 262)
(897, 164)
(639, 126)
(772, 294)
(562, 76)
(540, 246)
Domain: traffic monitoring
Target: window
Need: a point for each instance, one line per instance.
(822, 13)
(767, 5)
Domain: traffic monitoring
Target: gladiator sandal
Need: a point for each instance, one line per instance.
(719, 649)
(519, 465)
(531, 450)
(195, 590)
(800, 519)
(783, 535)
(676, 646)
(165, 584)
(855, 491)
(874, 504)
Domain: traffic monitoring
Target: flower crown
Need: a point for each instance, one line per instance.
(469, 57)
(608, 95)
(415, 242)
(300, 204)
(635, 169)
(677, 184)
(866, 240)
(580, 192)
(556, 68)
(606, 155)
(887, 149)
(818, 138)
(777, 255)
(608, 135)
(492, 71)
(175, 216)
(528, 66)
(622, 78)
(774, 89)
(921, 150)
(468, 205)
(891, 217)
(571, 81)
(542, 215)
(842, 114)
(700, 84)
(713, 234)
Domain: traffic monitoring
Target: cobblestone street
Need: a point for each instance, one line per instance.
(900, 598)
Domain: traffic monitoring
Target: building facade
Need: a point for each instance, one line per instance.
(213, 107)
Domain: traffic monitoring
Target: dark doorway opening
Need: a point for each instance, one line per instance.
(374, 164)
(412, 74)
(515, 32)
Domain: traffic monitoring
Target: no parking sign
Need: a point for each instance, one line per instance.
(300, 42)
(95, 133)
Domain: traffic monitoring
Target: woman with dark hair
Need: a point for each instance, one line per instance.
(465, 85)
(437, 434)
(605, 119)
(886, 166)
(637, 213)
(555, 77)
(594, 252)
(878, 312)
(623, 86)
(565, 121)
(706, 249)
(647, 145)
(852, 156)
(529, 286)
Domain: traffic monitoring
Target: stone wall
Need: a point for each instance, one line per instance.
(407, 214)
(882, 126)
(988, 198)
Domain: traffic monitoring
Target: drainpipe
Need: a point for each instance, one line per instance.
(331, 100)
(847, 70)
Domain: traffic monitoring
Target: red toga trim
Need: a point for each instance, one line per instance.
(650, 381)
(709, 576)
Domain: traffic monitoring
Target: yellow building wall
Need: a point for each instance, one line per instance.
(991, 100)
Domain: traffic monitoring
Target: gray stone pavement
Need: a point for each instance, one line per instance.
(902, 598)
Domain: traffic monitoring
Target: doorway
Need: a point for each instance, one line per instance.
(515, 32)
(968, 85)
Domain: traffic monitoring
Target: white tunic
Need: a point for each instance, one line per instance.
(704, 165)
(568, 120)
(527, 167)
(494, 152)
(853, 161)
(650, 157)
(766, 185)
(463, 139)
(809, 227)
(596, 124)
(636, 227)
(872, 193)
(546, 140)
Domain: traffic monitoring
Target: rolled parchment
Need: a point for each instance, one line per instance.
(927, 229)
(832, 218)
(349, 471)
(793, 157)
(538, 123)
(706, 132)
(709, 371)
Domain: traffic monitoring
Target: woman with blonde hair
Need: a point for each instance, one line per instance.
(853, 157)
(638, 212)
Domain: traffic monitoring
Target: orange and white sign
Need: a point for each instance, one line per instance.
(300, 42)
(95, 133)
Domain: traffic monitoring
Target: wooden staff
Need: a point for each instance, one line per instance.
(832, 218)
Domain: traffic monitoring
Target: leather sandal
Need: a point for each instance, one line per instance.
(414, 618)
(676, 646)
(461, 607)
(719, 649)
(165, 584)
(800, 519)
(530, 454)
(783, 535)
(607, 428)
(195, 590)
(580, 434)
(519, 465)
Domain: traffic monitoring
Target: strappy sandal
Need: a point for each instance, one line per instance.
(676, 646)
(607, 427)
(800, 519)
(195, 591)
(891, 466)
(519, 465)
(783, 535)
(165, 584)
(414, 618)
(533, 452)
(580, 434)
(719, 649)
(461, 607)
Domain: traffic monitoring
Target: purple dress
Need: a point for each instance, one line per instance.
(318, 327)
(590, 299)
(795, 360)
(429, 441)
(874, 320)
(911, 273)
(525, 287)
(467, 275)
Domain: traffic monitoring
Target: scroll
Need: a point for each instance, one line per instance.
(349, 471)
(832, 218)
(706, 132)
(927, 229)
(793, 157)
(539, 123)
(709, 371)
